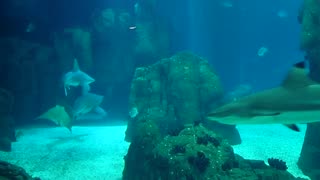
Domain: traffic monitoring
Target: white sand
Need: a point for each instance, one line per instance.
(54, 153)
(96, 152)
(272, 141)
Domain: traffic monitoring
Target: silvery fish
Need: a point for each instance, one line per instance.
(75, 78)
(296, 100)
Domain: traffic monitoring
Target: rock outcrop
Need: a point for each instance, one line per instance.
(195, 153)
(172, 93)
(309, 17)
(7, 126)
(168, 102)
(12, 172)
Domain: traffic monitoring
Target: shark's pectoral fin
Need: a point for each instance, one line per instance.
(66, 88)
(293, 127)
(65, 91)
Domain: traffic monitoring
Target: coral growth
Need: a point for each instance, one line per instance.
(201, 162)
(167, 139)
(185, 157)
(178, 149)
(206, 139)
(278, 164)
(174, 92)
(181, 157)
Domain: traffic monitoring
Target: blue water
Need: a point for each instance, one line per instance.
(231, 37)
(230, 34)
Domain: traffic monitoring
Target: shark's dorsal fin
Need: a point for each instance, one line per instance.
(75, 65)
(297, 77)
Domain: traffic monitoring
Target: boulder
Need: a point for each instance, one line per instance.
(172, 93)
(310, 153)
(7, 129)
(195, 153)
(12, 172)
(310, 42)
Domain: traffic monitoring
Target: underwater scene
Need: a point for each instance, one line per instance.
(160, 90)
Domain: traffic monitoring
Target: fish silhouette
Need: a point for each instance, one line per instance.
(75, 78)
(59, 116)
(88, 104)
(296, 100)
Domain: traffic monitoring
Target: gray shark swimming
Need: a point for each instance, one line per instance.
(75, 78)
(296, 100)
(88, 105)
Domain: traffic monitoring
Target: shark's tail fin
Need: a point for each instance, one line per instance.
(66, 90)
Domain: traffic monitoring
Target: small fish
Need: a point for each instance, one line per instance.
(227, 4)
(30, 27)
(75, 78)
(262, 51)
(87, 103)
(133, 112)
(282, 14)
(296, 100)
(136, 8)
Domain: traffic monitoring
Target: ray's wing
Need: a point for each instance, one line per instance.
(59, 116)
(86, 103)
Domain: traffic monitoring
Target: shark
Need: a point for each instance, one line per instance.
(295, 101)
(88, 105)
(75, 78)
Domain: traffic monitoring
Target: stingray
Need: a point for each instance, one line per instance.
(59, 116)
(76, 78)
(88, 103)
(296, 100)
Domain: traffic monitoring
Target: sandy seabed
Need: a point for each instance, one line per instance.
(96, 152)
(272, 141)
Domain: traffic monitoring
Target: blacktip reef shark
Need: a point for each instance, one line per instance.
(75, 78)
(295, 101)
